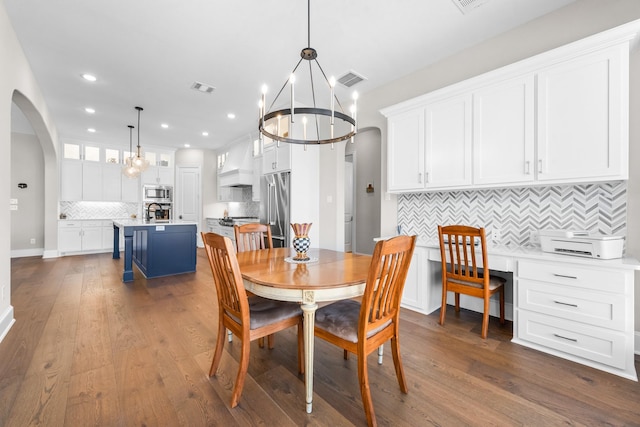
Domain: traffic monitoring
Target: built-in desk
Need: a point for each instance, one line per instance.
(581, 309)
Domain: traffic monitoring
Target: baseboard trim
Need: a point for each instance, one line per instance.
(50, 254)
(22, 253)
(6, 322)
(636, 343)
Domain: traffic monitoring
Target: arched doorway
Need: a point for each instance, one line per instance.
(50, 173)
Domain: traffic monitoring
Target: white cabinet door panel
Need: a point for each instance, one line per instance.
(406, 151)
(503, 132)
(92, 181)
(581, 128)
(448, 143)
(71, 181)
(111, 183)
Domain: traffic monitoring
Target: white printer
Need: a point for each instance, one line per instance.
(581, 243)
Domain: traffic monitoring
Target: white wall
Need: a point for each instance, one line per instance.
(17, 84)
(27, 166)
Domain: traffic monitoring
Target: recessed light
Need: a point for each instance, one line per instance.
(187, 145)
(205, 133)
(89, 110)
(231, 116)
(89, 77)
(92, 130)
(164, 126)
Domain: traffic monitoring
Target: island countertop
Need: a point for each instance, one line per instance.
(152, 223)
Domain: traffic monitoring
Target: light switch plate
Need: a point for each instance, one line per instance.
(13, 201)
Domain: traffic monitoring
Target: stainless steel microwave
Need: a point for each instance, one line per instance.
(157, 193)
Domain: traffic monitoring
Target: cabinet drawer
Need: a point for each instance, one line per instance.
(596, 308)
(92, 223)
(69, 224)
(574, 275)
(596, 344)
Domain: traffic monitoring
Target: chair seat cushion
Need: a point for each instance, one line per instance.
(264, 311)
(494, 282)
(341, 319)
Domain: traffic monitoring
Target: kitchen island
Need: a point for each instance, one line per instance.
(158, 248)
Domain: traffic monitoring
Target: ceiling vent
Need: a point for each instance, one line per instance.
(466, 6)
(202, 87)
(350, 79)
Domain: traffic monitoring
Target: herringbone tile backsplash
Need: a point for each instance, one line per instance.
(518, 211)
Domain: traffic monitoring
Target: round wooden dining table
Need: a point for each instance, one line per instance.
(328, 276)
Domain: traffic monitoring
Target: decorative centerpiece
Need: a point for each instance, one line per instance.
(301, 241)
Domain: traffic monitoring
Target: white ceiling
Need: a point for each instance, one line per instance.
(150, 52)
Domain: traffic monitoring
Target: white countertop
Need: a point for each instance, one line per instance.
(532, 253)
(152, 223)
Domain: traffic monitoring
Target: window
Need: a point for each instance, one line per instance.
(92, 154)
(111, 155)
(71, 151)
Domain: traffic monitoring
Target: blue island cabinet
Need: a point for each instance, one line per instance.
(157, 249)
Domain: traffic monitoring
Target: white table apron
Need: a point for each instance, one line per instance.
(308, 300)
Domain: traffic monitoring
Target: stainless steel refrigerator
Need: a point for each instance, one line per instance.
(275, 191)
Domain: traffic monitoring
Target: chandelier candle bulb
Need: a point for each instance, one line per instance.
(292, 80)
(332, 84)
(304, 127)
(264, 103)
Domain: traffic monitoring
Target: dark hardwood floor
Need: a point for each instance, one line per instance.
(87, 349)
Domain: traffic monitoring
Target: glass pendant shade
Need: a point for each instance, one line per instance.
(130, 170)
(138, 160)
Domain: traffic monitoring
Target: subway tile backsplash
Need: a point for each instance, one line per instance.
(518, 211)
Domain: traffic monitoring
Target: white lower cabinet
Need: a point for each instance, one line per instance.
(577, 312)
(85, 236)
(422, 292)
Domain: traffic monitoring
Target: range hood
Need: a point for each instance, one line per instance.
(237, 170)
(236, 178)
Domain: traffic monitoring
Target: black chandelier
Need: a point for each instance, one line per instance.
(317, 125)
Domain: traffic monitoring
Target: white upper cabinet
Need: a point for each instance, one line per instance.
(71, 180)
(583, 117)
(162, 175)
(406, 150)
(503, 132)
(448, 143)
(276, 159)
(557, 118)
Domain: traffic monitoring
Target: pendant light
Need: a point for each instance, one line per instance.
(129, 170)
(139, 161)
(317, 125)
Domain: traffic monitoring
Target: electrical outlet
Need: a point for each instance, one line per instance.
(496, 235)
(32, 241)
(534, 237)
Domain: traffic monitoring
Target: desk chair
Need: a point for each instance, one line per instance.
(362, 328)
(251, 237)
(248, 318)
(460, 270)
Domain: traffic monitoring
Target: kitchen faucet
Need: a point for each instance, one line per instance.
(149, 207)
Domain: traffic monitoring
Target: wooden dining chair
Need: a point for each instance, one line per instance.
(362, 327)
(251, 237)
(248, 318)
(464, 273)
